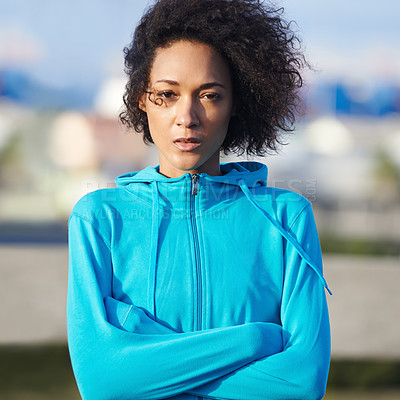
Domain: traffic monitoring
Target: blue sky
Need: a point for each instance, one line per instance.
(63, 43)
(351, 33)
(75, 40)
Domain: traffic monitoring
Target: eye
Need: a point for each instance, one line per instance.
(210, 96)
(166, 94)
(162, 97)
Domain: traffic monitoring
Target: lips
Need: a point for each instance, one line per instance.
(187, 144)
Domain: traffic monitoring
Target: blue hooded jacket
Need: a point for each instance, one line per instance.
(197, 287)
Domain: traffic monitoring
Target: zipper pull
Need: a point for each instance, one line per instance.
(195, 181)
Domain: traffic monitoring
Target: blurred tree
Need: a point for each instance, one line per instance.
(11, 159)
(387, 180)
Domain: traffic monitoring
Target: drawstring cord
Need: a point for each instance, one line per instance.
(154, 250)
(284, 233)
(154, 242)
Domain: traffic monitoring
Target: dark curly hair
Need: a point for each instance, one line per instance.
(261, 49)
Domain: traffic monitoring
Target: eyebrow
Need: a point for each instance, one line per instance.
(204, 86)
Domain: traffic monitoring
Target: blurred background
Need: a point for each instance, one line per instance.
(61, 85)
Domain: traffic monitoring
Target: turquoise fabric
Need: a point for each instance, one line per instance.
(197, 287)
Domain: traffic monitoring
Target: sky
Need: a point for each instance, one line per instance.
(68, 41)
(353, 38)
(79, 42)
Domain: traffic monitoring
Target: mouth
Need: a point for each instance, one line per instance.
(187, 144)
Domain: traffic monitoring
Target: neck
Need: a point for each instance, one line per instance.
(210, 167)
(176, 173)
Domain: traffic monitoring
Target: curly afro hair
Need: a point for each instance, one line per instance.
(263, 54)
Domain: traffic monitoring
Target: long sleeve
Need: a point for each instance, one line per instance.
(300, 371)
(149, 361)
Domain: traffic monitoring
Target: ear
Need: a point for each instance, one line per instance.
(142, 102)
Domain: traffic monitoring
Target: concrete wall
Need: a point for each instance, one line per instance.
(364, 308)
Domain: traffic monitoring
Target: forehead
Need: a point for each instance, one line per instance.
(184, 61)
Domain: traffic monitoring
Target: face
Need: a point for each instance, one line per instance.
(188, 105)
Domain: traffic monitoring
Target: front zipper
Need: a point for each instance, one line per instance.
(195, 181)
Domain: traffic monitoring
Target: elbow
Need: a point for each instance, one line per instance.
(313, 374)
(105, 387)
(102, 381)
(107, 384)
(310, 390)
(307, 378)
(314, 387)
(316, 391)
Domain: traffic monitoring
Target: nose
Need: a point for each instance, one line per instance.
(187, 113)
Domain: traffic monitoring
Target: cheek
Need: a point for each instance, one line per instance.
(158, 120)
(220, 121)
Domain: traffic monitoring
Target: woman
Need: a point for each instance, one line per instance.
(194, 279)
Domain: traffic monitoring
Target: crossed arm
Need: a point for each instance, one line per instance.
(118, 351)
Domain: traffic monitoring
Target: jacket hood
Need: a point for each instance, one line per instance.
(252, 173)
